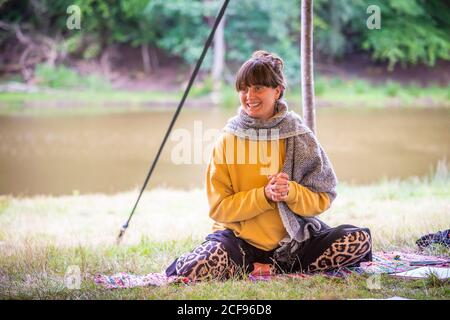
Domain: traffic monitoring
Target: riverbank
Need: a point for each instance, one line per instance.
(42, 236)
(330, 92)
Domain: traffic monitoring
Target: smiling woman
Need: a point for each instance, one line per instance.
(263, 217)
(260, 83)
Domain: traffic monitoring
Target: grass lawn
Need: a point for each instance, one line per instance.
(40, 237)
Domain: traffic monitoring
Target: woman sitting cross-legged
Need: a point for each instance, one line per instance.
(267, 180)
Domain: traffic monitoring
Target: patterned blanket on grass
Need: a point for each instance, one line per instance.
(383, 262)
(396, 261)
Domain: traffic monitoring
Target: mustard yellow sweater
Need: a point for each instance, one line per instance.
(235, 190)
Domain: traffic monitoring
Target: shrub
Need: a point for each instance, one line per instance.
(63, 77)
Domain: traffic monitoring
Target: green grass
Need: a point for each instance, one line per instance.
(335, 92)
(85, 102)
(64, 77)
(330, 92)
(91, 97)
(40, 237)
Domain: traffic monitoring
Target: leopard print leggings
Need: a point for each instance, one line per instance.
(206, 262)
(211, 261)
(344, 251)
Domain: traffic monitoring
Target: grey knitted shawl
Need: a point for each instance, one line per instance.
(305, 163)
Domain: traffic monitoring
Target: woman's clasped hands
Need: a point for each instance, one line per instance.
(277, 189)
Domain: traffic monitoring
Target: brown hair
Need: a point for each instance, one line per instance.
(263, 68)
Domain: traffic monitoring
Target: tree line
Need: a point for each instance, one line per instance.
(34, 31)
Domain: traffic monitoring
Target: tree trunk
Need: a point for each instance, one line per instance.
(307, 76)
(146, 58)
(218, 52)
(154, 61)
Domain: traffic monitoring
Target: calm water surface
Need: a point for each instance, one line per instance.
(112, 153)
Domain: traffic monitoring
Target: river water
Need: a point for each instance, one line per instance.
(58, 155)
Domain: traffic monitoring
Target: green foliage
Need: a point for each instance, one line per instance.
(418, 44)
(360, 86)
(342, 20)
(182, 27)
(412, 31)
(92, 51)
(272, 26)
(320, 86)
(202, 88)
(392, 88)
(73, 44)
(63, 77)
(116, 21)
(229, 97)
(413, 89)
(56, 77)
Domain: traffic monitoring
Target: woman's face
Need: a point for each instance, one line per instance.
(259, 101)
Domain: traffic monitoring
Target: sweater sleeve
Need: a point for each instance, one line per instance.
(306, 203)
(226, 205)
